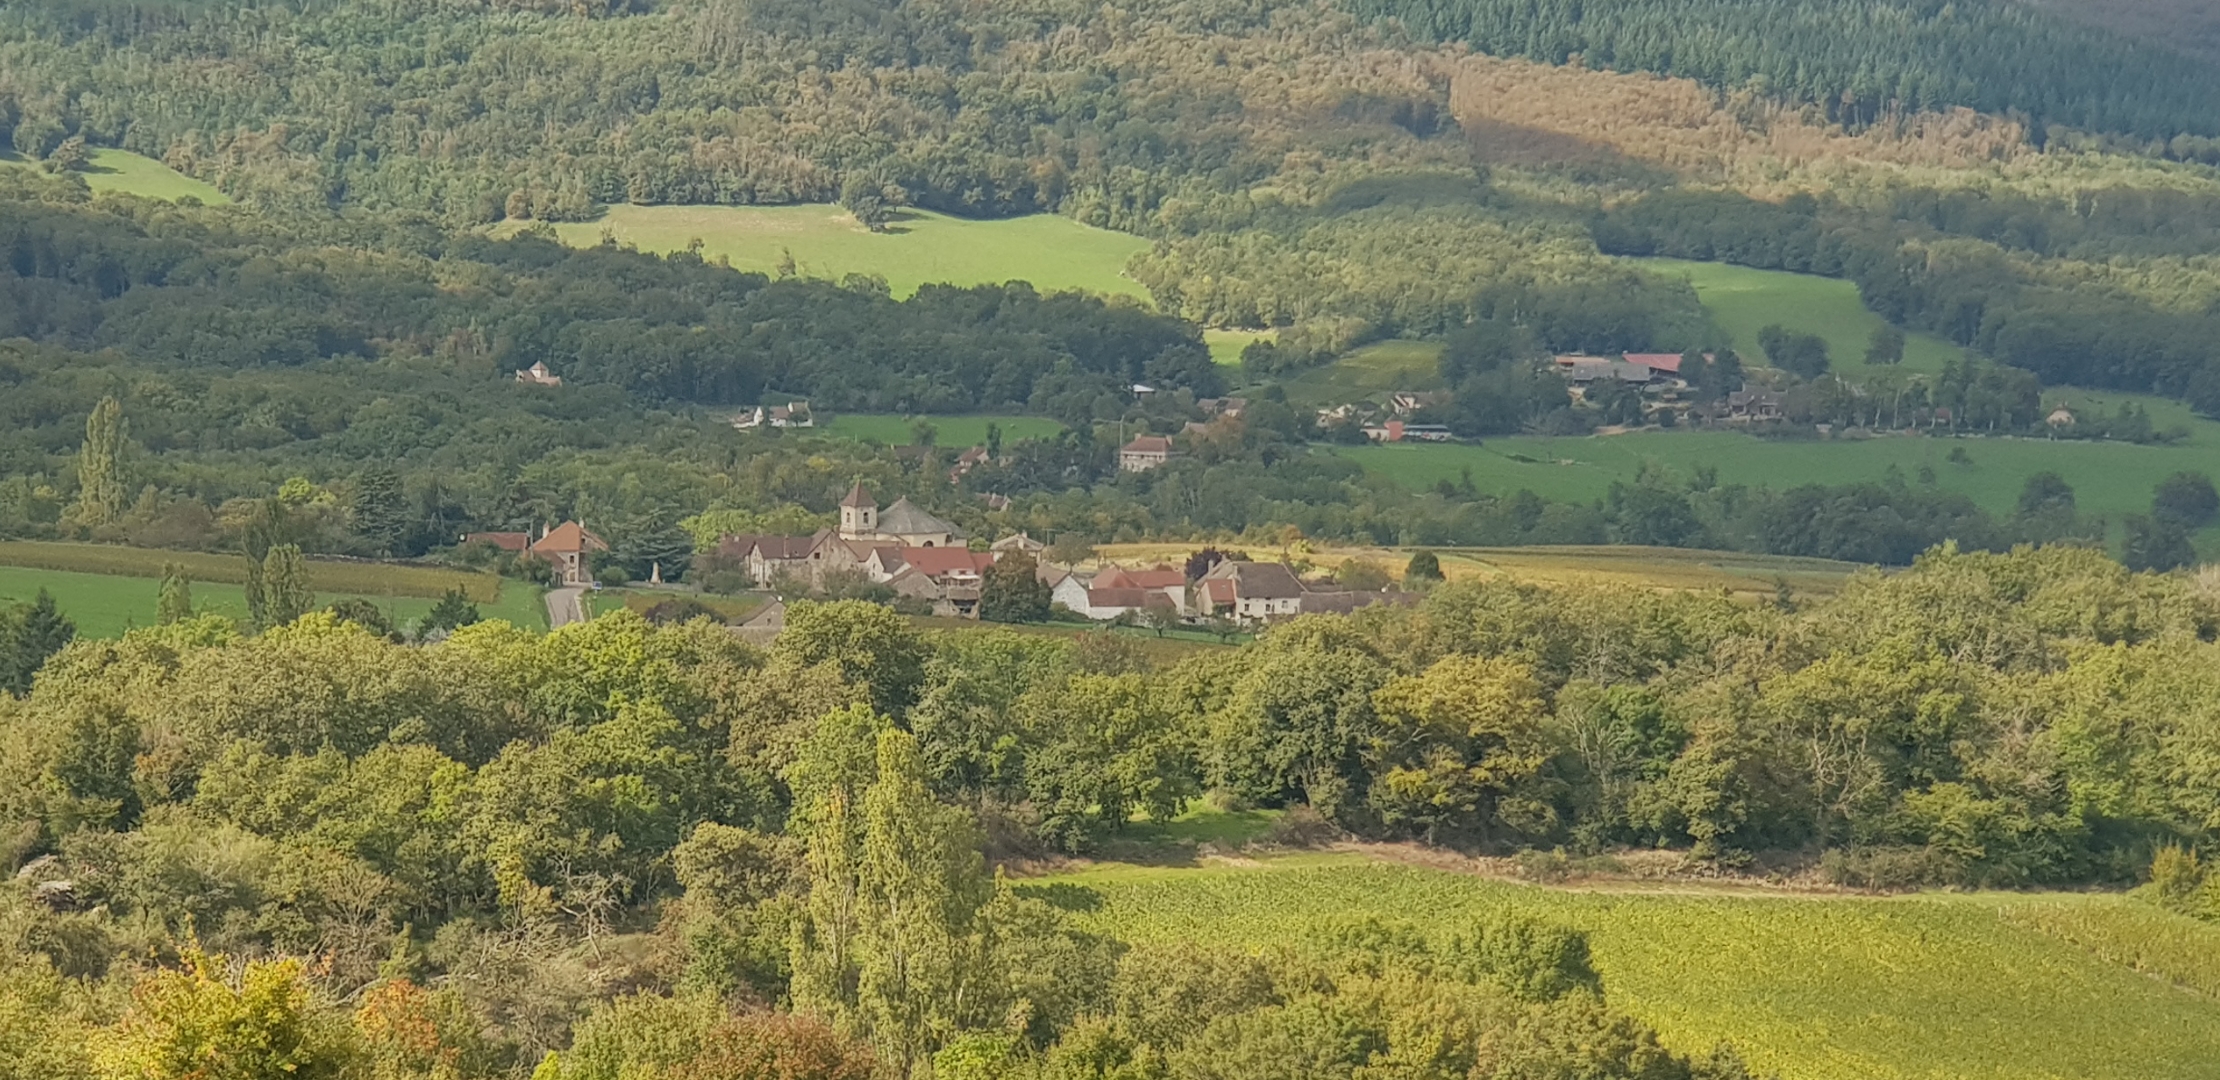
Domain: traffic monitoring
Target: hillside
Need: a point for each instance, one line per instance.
(1828, 988)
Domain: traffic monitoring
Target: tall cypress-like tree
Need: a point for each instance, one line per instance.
(921, 888)
(100, 481)
(176, 599)
(285, 592)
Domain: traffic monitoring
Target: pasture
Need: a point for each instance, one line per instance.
(1368, 372)
(106, 605)
(920, 247)
(1743, 301)
(2109, 479)
(1965, 987)
(893, 429)
(135, 174)
(107, 589)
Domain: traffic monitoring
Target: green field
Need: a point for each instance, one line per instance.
(133, 174)
(1054, 253)
(337, 578)
(1376, 369)
(953, 431)
(106, 605)
(2110, 479)
(1226, 345)
(1744, 301)
(1964, 987)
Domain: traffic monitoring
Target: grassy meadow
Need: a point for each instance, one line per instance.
(1379, 368)
(956, 431)
(1744, 301)
(106, 605)
(1226, 345)
(107, 589)
(1966, 987)
(2109, 479)
(920, 247)
(135, 174)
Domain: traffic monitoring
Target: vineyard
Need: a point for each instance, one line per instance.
(1823, 988)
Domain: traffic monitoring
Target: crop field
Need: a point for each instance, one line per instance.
(1751, 576)
(1367, 372)
(106, 605)
(1963, 987)
(895, 430)
(1744, 301)
(336, 578)
(134, 174)
(920, 247)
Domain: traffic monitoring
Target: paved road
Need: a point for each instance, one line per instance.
(564, 608)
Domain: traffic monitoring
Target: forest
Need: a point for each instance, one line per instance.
(1857, 59)
(623, 850)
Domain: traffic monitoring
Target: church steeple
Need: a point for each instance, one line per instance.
(859, 514)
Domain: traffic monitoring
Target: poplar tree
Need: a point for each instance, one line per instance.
(176, 599)
(100, 496)
(922, 885)
(285, 592)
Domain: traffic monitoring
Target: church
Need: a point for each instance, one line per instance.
(903, 524)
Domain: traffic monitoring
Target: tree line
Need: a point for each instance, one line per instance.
(691, 858)
(580, 851)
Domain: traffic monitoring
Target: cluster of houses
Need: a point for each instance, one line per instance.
(1658, 375)
(793, 414)
(1389, 422)
(921, 556)
(1248, 593)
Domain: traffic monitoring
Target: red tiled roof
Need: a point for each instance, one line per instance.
(1149, 444)
(942, 561)
(1120, 598)
(570, 536)
(1656, 361)
(858, 497)
(1159, 578)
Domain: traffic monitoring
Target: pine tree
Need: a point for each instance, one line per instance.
(381, 510)
(28, 636)
(453, 610)
(176, 600)
(100, 481)
(285, 592)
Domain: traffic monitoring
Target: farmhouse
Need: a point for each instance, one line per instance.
(538, 375)
(1747, 406)
(568, 547)
(793, 414)
(1145, 452)
(947, 577)
(1254, 591)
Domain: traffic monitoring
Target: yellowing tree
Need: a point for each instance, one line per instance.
(1457, 744)
(196, 1023)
